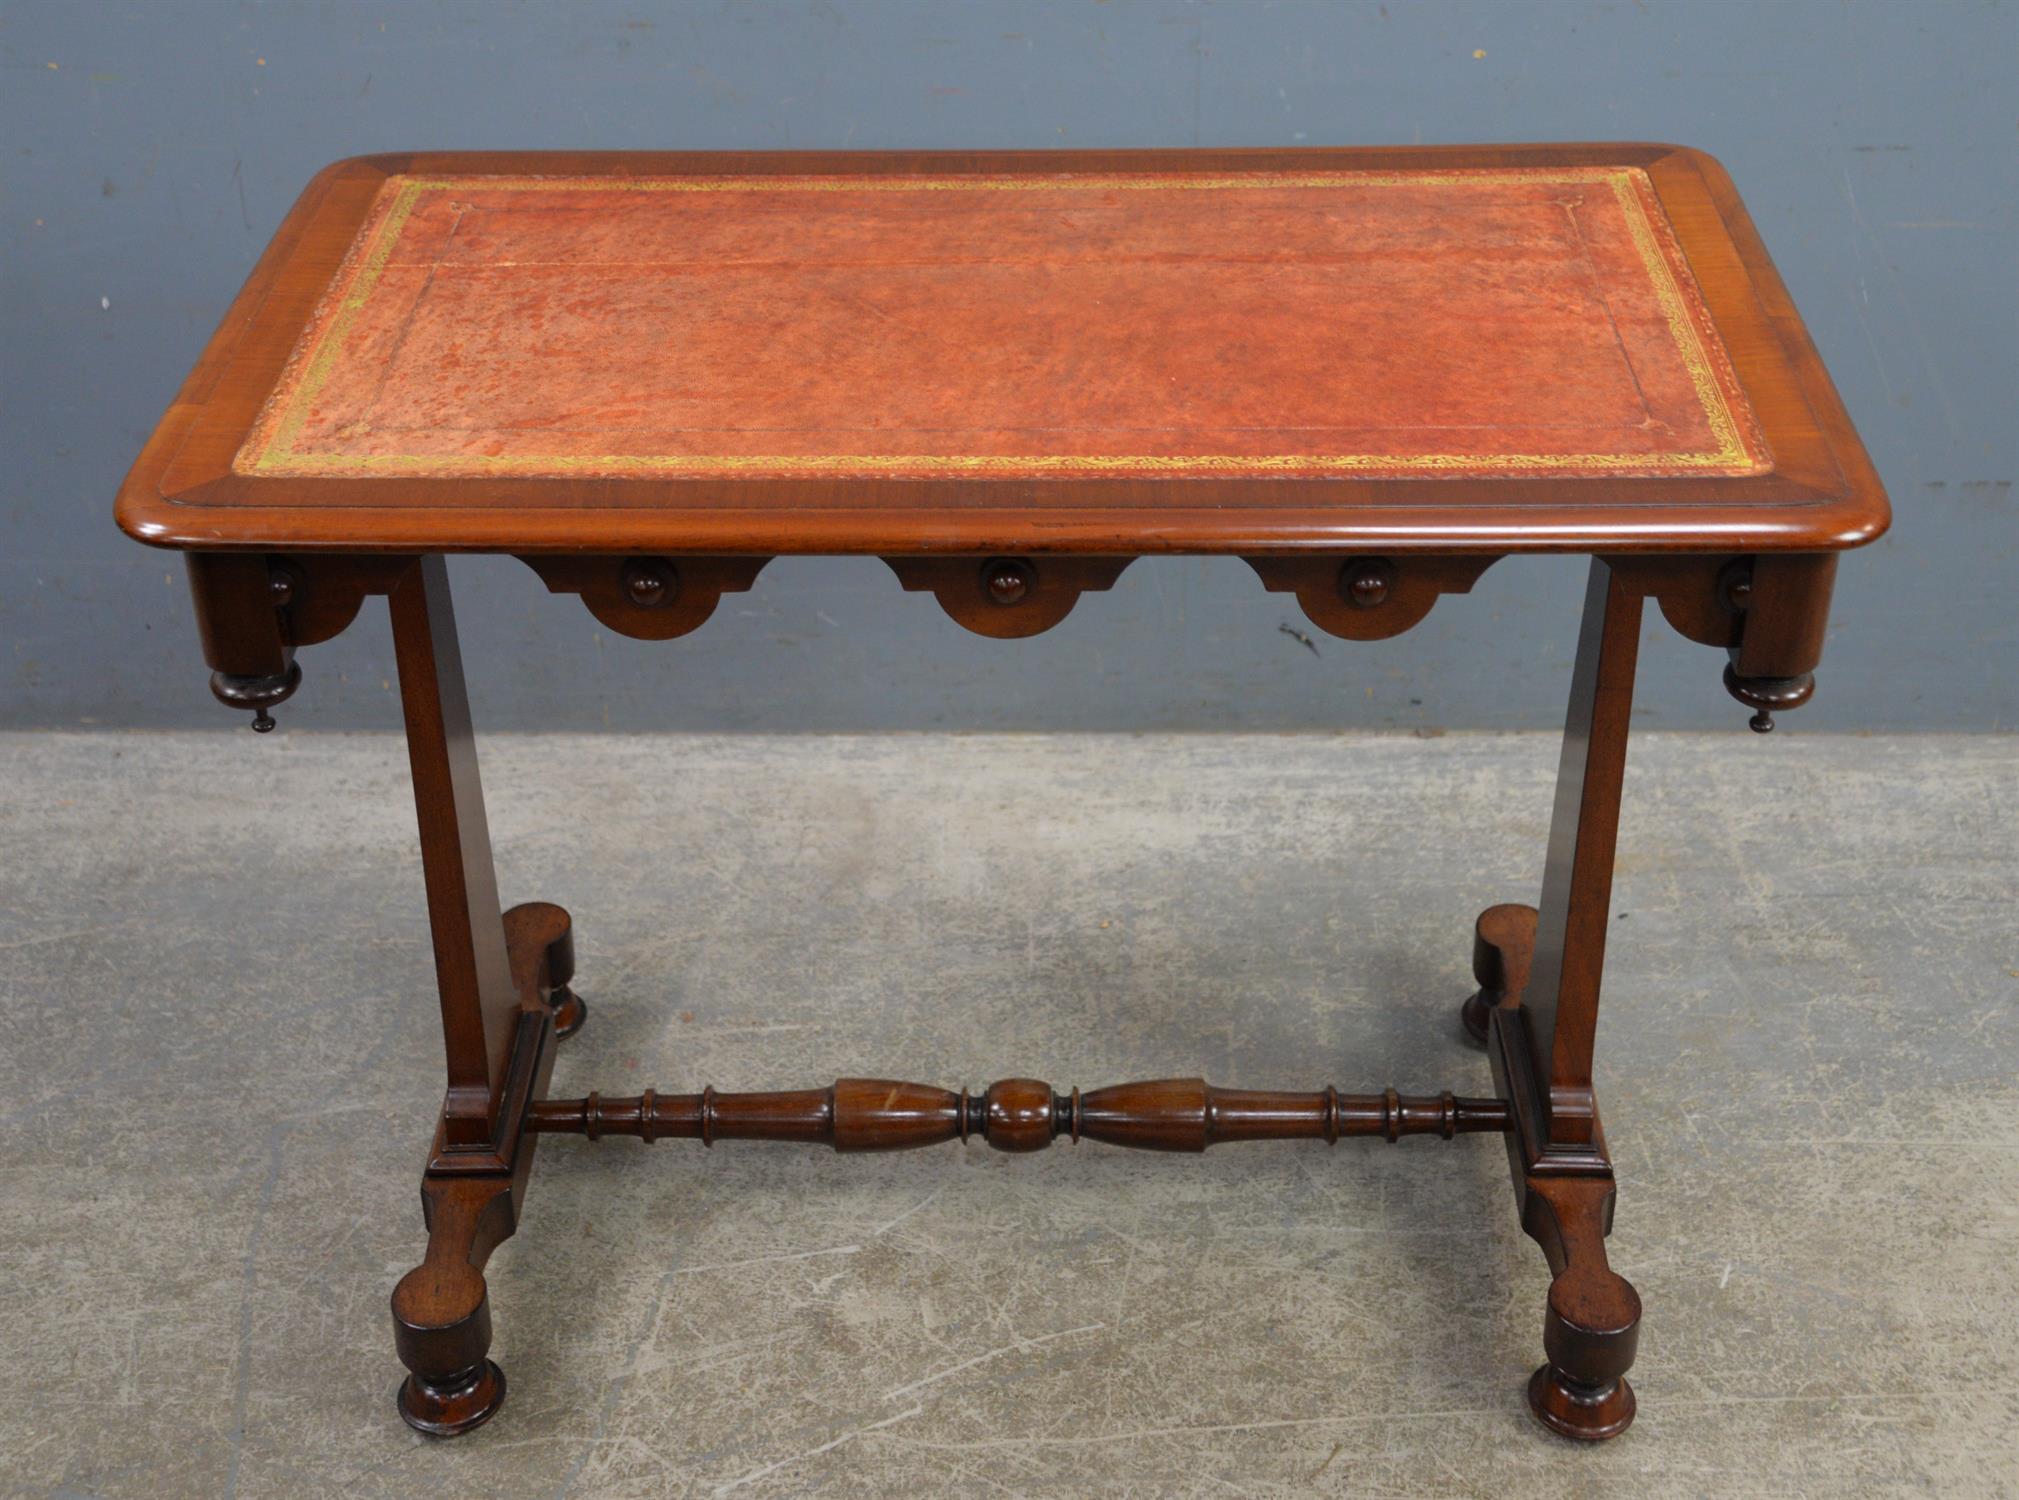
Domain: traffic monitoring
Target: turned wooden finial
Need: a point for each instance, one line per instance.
(248, 611)
(258, 694)
(1778, 606)
(1766, 694)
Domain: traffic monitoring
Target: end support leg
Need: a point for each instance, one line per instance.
(442, 1312)
(1541, 1035)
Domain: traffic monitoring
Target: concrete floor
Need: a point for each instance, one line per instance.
(223, 1061)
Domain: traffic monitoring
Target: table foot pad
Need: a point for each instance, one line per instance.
(1572, 1410)
(453, 1406)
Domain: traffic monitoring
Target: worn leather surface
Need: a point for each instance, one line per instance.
(1478, 322)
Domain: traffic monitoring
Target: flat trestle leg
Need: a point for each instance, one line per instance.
(1539, 974)
(503, 983)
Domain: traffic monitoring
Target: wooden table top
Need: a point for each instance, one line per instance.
(1447, 349)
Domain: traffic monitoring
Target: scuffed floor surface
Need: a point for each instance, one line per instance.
(222, 1057)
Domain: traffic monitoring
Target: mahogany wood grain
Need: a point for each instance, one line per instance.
(1819, 494)
(471, 1201)
(325, 593)
(1576, 909)
(544, 929)
(238, 623)
(1591, 1321)
(1503, 939)
(1368, 598)
(1736, 543)
(479, 1000)
(1017, 1114)
(648, 598)
(1788, 608)
(1591, 1324)
(442, 1309)
(1007, 598)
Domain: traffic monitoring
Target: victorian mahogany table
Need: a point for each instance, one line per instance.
(1371, 374)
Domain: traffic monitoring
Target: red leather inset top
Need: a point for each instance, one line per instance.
(1480, 322)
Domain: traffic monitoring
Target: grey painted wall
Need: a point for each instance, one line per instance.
(148, 150)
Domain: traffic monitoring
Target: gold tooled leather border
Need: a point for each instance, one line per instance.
(270, 447)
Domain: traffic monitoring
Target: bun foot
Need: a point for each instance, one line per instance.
(1502, 941)
(442, 1309)
(1588, 1413)
(1591, 1327)
(541, 939)
(448, 1407)
(570, 1011)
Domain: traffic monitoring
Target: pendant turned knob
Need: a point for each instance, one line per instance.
(651, 582)
(258, 694)
(1006, 580)
(283, 585)
(1735, 586)
(1365, 581)
(1765, 694)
